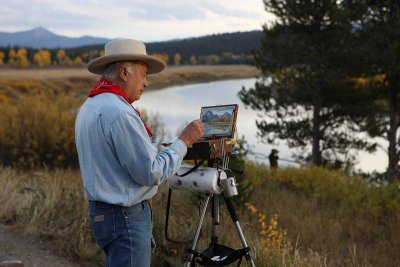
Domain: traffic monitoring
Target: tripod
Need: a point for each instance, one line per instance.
(215, 254)
(212, 181)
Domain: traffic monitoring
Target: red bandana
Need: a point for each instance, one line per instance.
(106, 86)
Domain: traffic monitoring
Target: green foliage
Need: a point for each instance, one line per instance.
(235, 49)
(379, 34)
(305, 95)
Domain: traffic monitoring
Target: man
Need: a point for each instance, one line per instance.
(273, 158)
(121, 168)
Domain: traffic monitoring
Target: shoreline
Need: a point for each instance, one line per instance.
(172, 75)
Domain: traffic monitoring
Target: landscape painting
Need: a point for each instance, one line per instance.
(218, 120)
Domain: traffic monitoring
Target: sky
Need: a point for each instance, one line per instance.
(145, 20)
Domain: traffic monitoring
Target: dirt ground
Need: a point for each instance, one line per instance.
(33, 252)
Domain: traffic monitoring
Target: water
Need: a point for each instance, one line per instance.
(178, 105)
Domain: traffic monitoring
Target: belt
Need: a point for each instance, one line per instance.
(103, 205)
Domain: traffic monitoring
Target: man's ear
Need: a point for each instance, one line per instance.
(123, 72)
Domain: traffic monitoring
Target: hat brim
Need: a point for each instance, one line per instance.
(98, 65)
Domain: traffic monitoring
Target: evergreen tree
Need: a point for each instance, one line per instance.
(381, 29)
(306, 93)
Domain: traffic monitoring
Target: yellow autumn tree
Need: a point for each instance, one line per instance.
(42, 58)
(12, 57)
(77, 61)
(162, 56)
(62, 58)
(22, 58)
(2, 55)
(177, 59)
(211, 59)
(193, 60)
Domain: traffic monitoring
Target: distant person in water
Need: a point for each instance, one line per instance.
(273, 159)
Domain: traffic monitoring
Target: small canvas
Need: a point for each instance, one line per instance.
(219, 121)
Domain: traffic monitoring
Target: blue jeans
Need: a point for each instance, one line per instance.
(123, 233)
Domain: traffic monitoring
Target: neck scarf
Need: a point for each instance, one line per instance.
(106, 86)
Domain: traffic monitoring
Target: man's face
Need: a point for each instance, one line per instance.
(136, 81)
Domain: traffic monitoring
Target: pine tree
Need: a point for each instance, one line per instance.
(381, 28)
(306, 94)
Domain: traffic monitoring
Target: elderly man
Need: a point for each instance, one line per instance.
(121, 168)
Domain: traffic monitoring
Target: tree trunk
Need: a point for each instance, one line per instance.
(393, 168)
(316, 152)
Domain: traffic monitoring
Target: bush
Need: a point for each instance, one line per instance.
(37, 129)
(333, 188)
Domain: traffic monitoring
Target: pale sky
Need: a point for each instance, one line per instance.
(145, 20)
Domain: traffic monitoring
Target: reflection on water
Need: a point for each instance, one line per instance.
(178, 105)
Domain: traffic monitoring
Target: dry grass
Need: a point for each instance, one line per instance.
(327, 221)
(172, 75)
(308, 232)
(349, 232)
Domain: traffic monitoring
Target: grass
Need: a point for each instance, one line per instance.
(295, 217)
(334, 215)
(283, 226)
(172, 75)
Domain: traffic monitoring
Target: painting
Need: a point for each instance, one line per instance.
(219, 121)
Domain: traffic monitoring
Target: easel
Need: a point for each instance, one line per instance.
(216, 254)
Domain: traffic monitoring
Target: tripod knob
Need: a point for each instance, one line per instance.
(229, 187)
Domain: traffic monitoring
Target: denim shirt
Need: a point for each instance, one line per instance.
(118, 162)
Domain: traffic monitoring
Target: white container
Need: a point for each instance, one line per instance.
(204, 179)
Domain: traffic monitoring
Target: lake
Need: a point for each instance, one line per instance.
(178, 105)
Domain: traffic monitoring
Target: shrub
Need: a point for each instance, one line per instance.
(37, 129)
(332, 187)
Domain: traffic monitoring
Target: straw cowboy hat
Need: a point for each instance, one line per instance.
(125, 49)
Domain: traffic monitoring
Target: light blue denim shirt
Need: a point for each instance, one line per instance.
(118, 162)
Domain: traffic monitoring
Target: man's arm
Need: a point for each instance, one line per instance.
(140, 158)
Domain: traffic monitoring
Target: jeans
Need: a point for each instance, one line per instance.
(123, 233)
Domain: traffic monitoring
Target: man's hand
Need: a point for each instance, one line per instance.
(192, 132)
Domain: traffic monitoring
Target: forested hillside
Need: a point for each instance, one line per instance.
(227, 48)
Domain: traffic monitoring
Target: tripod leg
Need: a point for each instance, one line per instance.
(215, 218)
(235, 221)
(189, 257)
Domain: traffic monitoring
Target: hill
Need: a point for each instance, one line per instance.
(225, 45)
(226, 48)
(42, 38)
